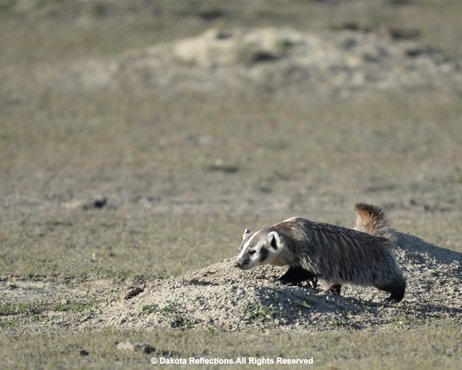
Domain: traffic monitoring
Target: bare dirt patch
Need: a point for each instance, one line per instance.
(221, 296)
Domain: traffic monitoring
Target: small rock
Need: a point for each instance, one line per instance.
(73, 204)
(97, 202)
(404, 33)
(84, 352)
(220, 166)
(133, 292)
(135, 347)
(400, 2)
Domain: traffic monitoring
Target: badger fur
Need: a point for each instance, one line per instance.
(361, 256)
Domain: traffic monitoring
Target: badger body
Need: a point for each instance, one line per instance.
(338, 255)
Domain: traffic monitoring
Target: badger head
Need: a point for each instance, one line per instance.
(258, 248)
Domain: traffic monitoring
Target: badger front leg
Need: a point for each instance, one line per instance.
(334, 289)
(295, 275)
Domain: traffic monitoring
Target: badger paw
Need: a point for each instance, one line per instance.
(283, 281)
(390, 301)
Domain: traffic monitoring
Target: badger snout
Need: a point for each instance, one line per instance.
(238, 264)
(242, 264)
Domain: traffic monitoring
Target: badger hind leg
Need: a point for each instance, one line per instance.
(396, 288)
(295, 275)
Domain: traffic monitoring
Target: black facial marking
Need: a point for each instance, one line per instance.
(263, 254)
(273, 243)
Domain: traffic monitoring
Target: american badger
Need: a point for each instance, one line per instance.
(335, 254)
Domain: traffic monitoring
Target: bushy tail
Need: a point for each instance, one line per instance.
(371, 220)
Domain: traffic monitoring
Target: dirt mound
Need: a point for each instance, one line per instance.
(271, 59)
(224, 297)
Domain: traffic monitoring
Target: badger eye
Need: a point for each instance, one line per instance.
(252, 252)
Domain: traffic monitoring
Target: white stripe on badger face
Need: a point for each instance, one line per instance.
(247, 243)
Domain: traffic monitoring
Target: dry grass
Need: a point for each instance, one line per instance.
(425, 347)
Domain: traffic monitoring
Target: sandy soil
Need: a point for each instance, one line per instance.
(225, 297)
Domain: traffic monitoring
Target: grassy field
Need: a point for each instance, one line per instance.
(184, 174)
(388, 348)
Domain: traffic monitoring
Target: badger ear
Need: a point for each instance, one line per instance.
(246, 231)
(274, 240)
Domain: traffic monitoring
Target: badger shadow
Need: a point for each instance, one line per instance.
(295, 300)
(289, 305)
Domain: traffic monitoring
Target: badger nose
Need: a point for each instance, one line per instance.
(237, 264)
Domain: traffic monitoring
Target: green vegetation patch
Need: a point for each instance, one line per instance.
(255, 311)
(37, 308)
